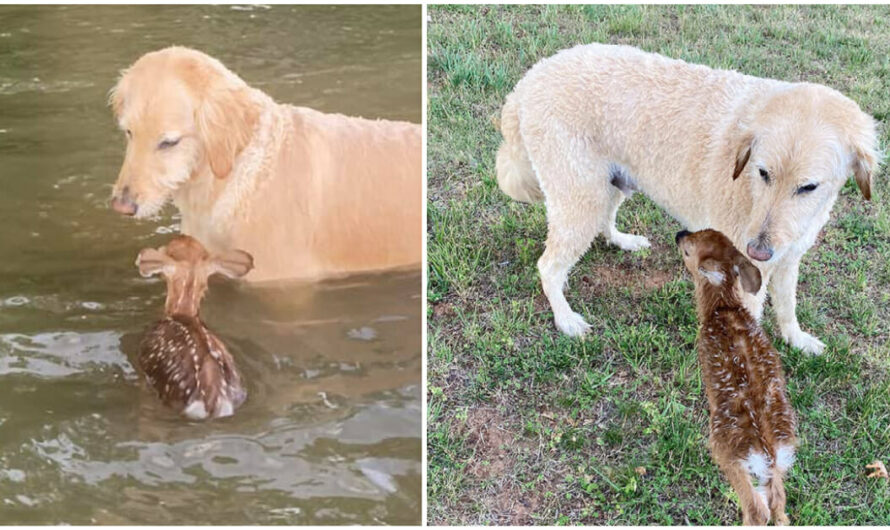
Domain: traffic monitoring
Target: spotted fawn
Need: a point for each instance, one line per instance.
(752, 423)
(186, 364)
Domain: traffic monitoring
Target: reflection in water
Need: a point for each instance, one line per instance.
(331, 429)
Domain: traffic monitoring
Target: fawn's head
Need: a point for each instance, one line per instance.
(715, 264)
(186, 265)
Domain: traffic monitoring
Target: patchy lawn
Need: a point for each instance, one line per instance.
(527, 426)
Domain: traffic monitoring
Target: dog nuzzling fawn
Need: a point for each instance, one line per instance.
(188, 366)
(752, 423)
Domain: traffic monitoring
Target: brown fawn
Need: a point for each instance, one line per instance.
(188, 366)
(752, 423)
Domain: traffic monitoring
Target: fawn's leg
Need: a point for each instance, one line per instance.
(754, 509)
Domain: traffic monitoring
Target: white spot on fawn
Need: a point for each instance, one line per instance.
(196, 410)
(758, 465)
(785, 457)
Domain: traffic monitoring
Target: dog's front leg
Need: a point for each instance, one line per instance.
(783, 292)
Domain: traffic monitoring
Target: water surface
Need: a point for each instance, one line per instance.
(331, 429)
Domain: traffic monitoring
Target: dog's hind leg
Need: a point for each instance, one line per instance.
(621, 187)
(577, 208)
(570, 230)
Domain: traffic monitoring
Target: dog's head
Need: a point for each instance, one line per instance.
(181, 111)
(186, 265)
(715, 263)
(795, 152)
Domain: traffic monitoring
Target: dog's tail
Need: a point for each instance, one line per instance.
(516, 177)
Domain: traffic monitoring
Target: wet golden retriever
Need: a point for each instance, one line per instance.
(758, 159)
(308, 194)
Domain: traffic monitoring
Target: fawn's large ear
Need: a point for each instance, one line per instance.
(744, 144)
(233, 264)
(226, 119)
(712, 270)
(153, 261)
(748, 273)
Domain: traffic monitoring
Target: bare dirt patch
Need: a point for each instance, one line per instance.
(602, 277)
(496, 446)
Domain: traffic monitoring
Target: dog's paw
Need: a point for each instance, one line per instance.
(572, 325)
(805, 342)
(629, 242)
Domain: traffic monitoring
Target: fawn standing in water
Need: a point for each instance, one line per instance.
(752, 423)
(188, 366)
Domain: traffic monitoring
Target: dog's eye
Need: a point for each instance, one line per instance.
(167, 144)
(806, 189)
(129, 133)
(764, 174)
(685, 253)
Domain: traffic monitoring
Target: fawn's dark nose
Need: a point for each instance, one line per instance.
(680, 235)
(123, 203)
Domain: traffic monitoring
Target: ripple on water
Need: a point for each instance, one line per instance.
(299, 461)
(10, 86)
(61, 354)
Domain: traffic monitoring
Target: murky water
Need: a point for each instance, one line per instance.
(331, 429)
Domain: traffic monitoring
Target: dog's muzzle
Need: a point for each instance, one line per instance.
(123, 203)
(759, 250)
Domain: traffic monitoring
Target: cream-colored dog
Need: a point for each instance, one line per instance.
(307, 194)
(760, 160)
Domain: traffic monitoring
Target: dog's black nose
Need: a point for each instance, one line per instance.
(681, 234)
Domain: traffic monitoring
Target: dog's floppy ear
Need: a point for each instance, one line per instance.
(233, 264)
(116, 95)
(743, 153)
(866, 157)
(152, 261)
(712, 271)
(748, 273)
(226, 119)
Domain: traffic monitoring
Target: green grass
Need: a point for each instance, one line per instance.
(528, 426)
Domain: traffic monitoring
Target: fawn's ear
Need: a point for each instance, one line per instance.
(748, 273)
(152, 261)
(233, 264)
(712, 271)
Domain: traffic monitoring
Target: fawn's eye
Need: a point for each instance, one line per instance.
(807, 188)
(167, 144)
(764, 174)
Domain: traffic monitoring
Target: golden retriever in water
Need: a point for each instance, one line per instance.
(760, 160)
(307, 194)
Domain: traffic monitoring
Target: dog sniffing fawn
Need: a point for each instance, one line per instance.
(186, 364)
(752, 423)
